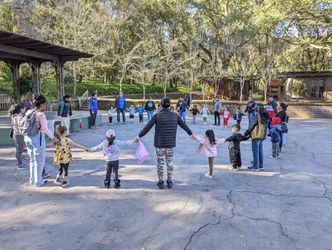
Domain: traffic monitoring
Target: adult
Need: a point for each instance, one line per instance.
(282, 114)
(150, 107)
(166, 123)
(250, 109)
(257, 131)
(272, 104)
(182, 109)
(187, 100)
(93, 108)
(65, 112)
(28, 101)
(217, 105)
(120, 105)
(35, 141)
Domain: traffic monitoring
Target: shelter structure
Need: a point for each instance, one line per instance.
(16, 49)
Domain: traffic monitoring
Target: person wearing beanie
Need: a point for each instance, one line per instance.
(166, 123)
(111, 149)
(275, 134)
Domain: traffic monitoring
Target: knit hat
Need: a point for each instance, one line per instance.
(110, 133)
(276, 121)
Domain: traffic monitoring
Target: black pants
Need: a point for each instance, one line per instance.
(140, 118)
(216, 118)
(123, 112)
(110, 119)
(238, 122)
(63, 168)
(235, 158)
(93, 117)
(112, 166)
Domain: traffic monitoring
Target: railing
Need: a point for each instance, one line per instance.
(83, 99)
(5, 101)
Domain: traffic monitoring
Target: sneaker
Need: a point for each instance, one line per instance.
(57, 182)
(169, 184)
(160, 184)
(22, 167)
(44, 182)
(117, 184)
(261, 169)
(250, 168)
(46, 175)
(65, 183)
(207, 175)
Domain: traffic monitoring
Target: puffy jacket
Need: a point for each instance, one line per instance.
(150, 106)
(120, 102)
(166, 123)
(264, 120)
(93, 104)
(250, 107)
(64, 109)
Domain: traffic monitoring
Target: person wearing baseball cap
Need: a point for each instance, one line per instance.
(111, 149)
(166, 123)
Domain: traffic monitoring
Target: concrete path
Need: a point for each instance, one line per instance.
(289, 206)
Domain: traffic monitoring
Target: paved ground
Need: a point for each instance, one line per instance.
(287, 207)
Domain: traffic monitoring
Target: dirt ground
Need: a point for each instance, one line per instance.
(289, 206)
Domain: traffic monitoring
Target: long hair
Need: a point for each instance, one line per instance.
(210, 135)
(110, 140)
(15, 109)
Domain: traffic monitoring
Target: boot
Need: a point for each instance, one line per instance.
(169, 184)
(117, 183)
(160, 184)
(107, 184)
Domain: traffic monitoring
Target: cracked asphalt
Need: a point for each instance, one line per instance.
(289, 206)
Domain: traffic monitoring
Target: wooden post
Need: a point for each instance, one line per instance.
(60, 78)
(35, 66)
(15, 68)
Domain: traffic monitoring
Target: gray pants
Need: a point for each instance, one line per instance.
(162, 154)
(20, 146)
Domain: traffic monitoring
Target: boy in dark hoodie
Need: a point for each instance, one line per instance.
(276, 135)
(234, 146)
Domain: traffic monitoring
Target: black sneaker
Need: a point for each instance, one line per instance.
(65, 183)
(169, 184)
(117, 184)
(160, 184)
(107, 184)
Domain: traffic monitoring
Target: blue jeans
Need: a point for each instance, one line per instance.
(257, 151)
(36, 151)
(250, 117)
(183, 115)
(150, 114)
(123, 112)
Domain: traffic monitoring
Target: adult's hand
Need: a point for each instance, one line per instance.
(193, 137)
(55, 140)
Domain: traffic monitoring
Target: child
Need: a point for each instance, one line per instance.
(208, 147)
(275, 133)
(140, 111)
(234, 147)
(226, 114)
(131, 113)
(111, 149)
(110, 115)
(205, 111)
(17, 113)
(194, 111)
(62, 154)
(238, 116)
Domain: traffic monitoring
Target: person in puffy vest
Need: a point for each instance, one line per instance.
(166, 123)
(65, 112)
(257, 131)
(120, 105)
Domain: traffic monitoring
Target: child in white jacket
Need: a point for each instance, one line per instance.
(205, 111)
(111, 149)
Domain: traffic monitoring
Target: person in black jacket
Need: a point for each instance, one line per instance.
(284, 120)
(238, 116)
(250, 108)
(234, 147)
(166, 123)
(65, 112)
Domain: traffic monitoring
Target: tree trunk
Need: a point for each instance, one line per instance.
(80, 78)
(74, 80)
(241, 89)
(144, 95)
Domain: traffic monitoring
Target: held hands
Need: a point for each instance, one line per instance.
(55, 140)
(193, 137)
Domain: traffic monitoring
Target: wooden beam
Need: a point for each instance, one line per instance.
(27, 53)
(8, 56)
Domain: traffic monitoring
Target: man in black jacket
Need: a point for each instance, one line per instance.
(165, 139)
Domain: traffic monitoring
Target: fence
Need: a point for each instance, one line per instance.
(6, 101)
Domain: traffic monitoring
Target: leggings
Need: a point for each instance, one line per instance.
(63, 168)
(211, 159)
(112, 166)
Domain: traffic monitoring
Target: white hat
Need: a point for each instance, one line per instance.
(110, 133)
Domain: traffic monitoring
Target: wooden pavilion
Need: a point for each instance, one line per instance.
(17, 49)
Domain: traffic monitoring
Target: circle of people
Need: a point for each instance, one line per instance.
(30, 132)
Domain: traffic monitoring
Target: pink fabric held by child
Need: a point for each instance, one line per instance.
(141, 152)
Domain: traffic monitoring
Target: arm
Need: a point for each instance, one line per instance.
(60, 109)
(184, 126)
(70, 110)
(124, 144)
(44, 127)
(199, 139)
(252, 126)
(220, 141)
(97, 148)
(231, 138)
(78, 145)
(243, 137)
(148, 126)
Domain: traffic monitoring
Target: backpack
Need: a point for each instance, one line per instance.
(275, 135)
(28, 124)
(259, 130)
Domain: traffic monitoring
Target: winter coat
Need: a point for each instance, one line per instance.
(150, 106)
(206, 148)
(238, 116)
(166, 123)
(275, 133)
(250, 107)
(65, 109)
(264, 119)
(234, 141)
(120, 102)
(93, 104)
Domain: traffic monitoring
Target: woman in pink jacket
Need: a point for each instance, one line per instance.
(35, 140)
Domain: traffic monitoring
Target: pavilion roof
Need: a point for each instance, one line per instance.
(24, 49)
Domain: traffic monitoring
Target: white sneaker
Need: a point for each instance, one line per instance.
(207, 175)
